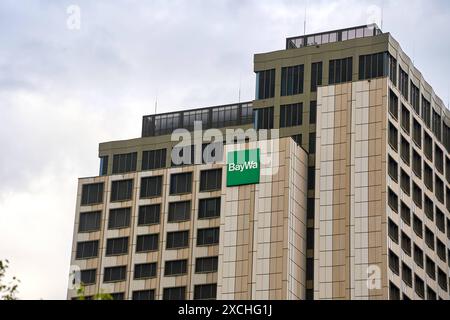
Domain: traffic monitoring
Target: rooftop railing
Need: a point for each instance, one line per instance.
(333, 36)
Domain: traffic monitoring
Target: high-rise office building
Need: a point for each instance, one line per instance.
(357, 205)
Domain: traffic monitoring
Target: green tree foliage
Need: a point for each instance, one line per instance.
(99, 296)
(8, 290)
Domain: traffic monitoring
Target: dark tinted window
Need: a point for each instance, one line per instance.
(89, 221)
(373, 65)
(149, 214)
(117, 246)
(205, 291)
(118, 296)
(211, 180)
(263, 118)
(177, 239)
(292, 80)
(144, 295)
(154, 159)
(265, 84)
(316, 75)
(88, 277)
(179, 211)
(119, 218)
(87, 249)
(145, 270)
(291, 115)
(403, 83)
(312, 112)
(181, 183)
(122, 190)
(113, 274)
(340, 70)
(92, 194)
(209, 208)
(176, 293)
(151, 187)
(208, 236)
(103, 165)
(206, 264)
(147, 242)
(175, 268)
(123, 163)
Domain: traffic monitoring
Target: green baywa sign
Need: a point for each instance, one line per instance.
(243, 167)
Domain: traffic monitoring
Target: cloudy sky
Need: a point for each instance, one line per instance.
(63, 90)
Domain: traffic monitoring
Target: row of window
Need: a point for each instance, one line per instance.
(201, 292)
(147, 243)
(418, 283)
(144, 271)
(149, 214)
(180, 183)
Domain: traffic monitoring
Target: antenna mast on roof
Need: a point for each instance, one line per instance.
(239, 92)
(304, 21)
(156, 103)
(382, 14)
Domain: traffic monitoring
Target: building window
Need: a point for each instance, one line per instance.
(144, 294)
(205, 291)
(416, 163)
(393, 169)
(442, 279)
(88, 277)
(428, 208)
(175, 268)
(393, 137)
(406, 244)
(177, 239)
(441, 250)
(114, 274)
(292, 80)
(403, 83)
(405, 119)
(181, 183)
(145, 270)
(147, 242)
(103, 165)
(429, 238)
(440, 220)
(428, 146)
(419, 286)
(206, 264)
(430, 268)
(393, 231)
(437, 125)
(417, 226)
(117, 296)
(311, 178)
(405, 213)
(312, 143)
(207, 237)
(92, 194)
(417, 195)
(373, 66)
(89, 221)
(179, 211)
(393, 262)
(439, 159)
(439, 188)
(428, 176)
(291, 115)
(87, 249)
(310, 214)
(265, 84)
(415, 98)
(426, 112)
(448, 229)
(117, 246)
(298, 139)
(316, 75)
(209, 208)
(404, 150)
(393, 70)
(406, 275)
(405, 182)
(309, 238)
(417, 133)
(431, 295)
(190, 117)
(393, 104)
(119, 218)
(310, 269)
(447, 199)
(313, 112)
(123, 163)
(393, 200)
(340, 70)
(418, 256)
(122, 190)
(210, 180)
(263, 118)
(151, 187)
(175, 293)
(394, 292)
(447, 169)
(149, 215)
